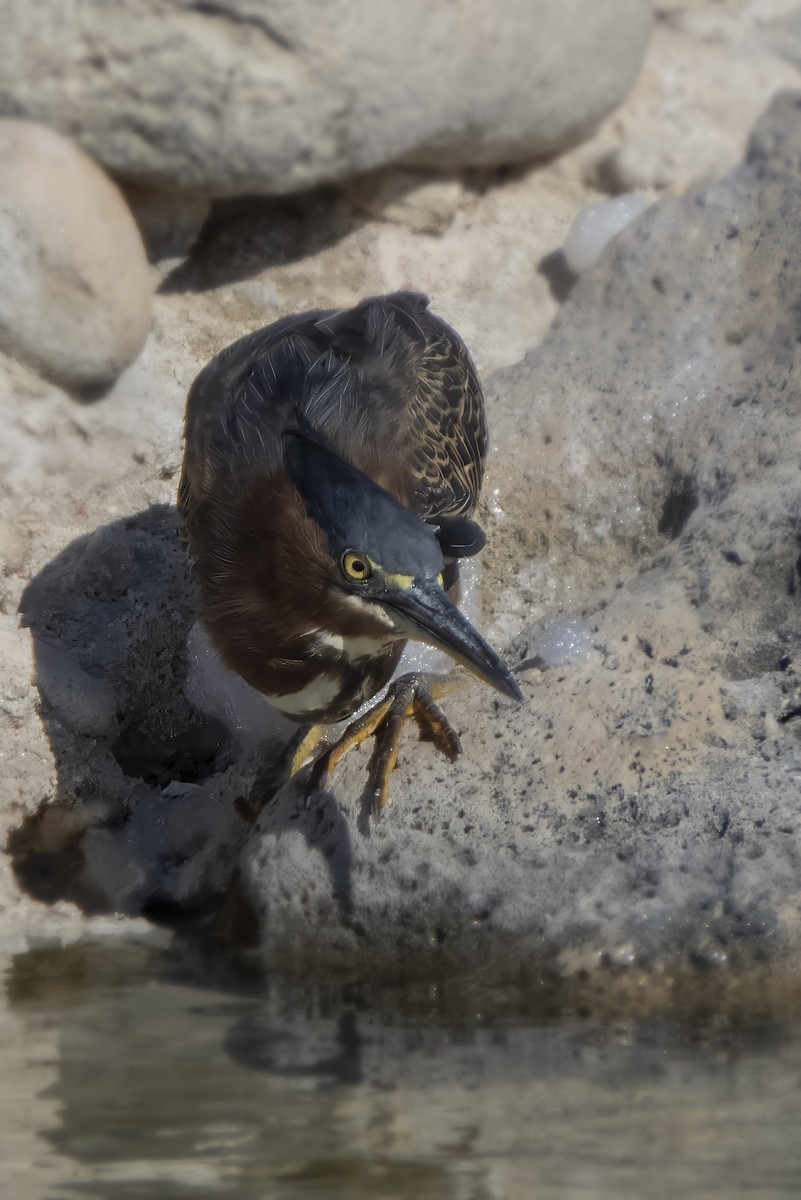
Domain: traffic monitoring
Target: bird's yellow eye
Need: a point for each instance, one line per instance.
(356, 566)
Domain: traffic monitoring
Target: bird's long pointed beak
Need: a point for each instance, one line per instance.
(425, 613)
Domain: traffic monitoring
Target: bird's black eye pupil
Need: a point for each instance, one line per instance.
(358, 566)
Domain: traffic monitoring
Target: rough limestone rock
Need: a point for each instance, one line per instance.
(75, 294)
(272, 96)
(641, 806)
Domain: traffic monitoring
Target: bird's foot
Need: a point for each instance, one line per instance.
(410, 697)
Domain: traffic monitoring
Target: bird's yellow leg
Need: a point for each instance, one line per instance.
(295, 755)
(409, 697)
(305, 748)
(357, 732)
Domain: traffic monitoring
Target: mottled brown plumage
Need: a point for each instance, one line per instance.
(409, 410)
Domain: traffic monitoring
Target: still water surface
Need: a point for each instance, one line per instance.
(145, 1071)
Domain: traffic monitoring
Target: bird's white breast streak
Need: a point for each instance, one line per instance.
(317, 694)
(352, 648)
(375, 611)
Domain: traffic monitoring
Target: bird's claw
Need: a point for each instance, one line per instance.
(409, 697)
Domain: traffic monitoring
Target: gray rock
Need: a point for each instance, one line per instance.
(75, 296)
(266, 96)
(641, 807)
(775, 145)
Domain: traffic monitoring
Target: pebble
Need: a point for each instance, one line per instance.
(75, 291)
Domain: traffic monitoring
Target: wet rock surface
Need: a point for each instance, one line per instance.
(279, 97)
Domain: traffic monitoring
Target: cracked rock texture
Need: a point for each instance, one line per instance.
(276, 95)
(642, 804)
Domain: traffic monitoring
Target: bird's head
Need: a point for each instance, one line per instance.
(384, 564)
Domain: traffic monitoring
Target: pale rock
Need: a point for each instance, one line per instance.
(699, 92)
(75, 297)
(241, 97)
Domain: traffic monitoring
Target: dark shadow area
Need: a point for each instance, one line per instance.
(117, 604)
(243, 237)
(561, 280)
(681, 503)
(92, 393)
(109, 618)
(154, 798)
(481, 180)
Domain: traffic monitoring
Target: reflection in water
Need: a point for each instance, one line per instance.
(150, 1075)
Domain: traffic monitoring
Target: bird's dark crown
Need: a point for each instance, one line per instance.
(354, 513)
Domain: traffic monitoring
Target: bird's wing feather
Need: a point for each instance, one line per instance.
(407, 406)
(446, 413)
(390, 386)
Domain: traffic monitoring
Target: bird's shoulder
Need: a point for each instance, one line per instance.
(256, 380)
(389, 385)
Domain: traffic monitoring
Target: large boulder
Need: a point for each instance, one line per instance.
(269, 96)
(642, 804)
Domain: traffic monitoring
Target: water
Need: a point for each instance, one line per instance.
(148, 1070)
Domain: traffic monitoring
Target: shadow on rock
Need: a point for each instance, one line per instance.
(561, 280)
(158, 783)
(243, 237)
(136, 760)
(311, 825)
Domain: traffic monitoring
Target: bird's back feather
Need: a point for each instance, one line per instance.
(389, 385)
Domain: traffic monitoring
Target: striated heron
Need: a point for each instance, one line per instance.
(332, 464)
